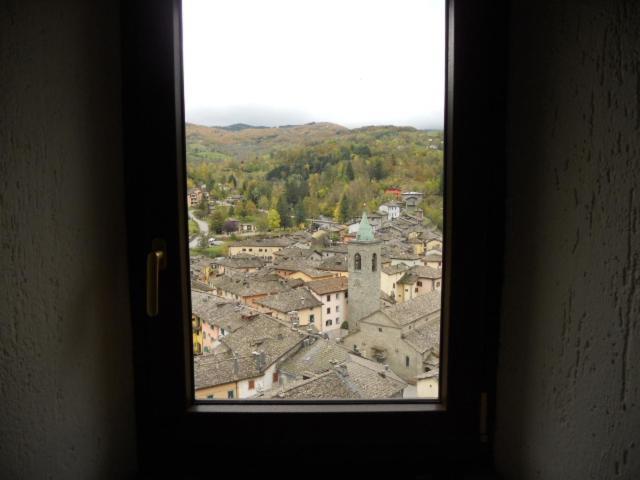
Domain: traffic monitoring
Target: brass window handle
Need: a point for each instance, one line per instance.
(156, 261)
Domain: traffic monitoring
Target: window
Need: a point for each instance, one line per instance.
(152, 92)
(337, 308)
(328, 309)
(312, 318)
(328, 298)
(374, 262)
(406, 361)
(357, 262)
(328, 323)
(419, 283)
(379, 329)
(252, 384)
(275, 377)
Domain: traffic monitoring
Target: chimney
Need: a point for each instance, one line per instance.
(236, 367)
(260, 359)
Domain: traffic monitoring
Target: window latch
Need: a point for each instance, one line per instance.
(156, 261)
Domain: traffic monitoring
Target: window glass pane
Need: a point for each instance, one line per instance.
(315, 179)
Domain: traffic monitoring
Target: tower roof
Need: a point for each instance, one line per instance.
(365, 232)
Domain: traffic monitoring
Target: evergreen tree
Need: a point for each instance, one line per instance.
(300, 213)
(232, 180)
(283, 209)
(349, 172)
(341, 213)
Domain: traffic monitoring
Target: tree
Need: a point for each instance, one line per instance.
(263, 202)
(273, 219)
(217, 221)
(341, 212)
(230, 226)
(232, 180)
(300, 214)
(377, 170)
(348, 172)
(284, 209)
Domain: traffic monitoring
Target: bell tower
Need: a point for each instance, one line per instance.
(364, 274)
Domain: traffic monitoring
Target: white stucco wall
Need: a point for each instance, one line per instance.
(66, 373)
(569, 376)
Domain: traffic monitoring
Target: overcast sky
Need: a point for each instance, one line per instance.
(278, 62)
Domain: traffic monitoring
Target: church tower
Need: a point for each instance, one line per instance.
(364, 274)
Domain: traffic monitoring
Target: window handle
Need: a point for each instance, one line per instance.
(156, 261)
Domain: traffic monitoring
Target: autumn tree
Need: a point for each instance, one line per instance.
(273, 219)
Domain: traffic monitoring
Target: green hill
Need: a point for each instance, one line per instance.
(318, 168)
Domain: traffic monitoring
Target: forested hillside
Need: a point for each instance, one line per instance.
(320, 168)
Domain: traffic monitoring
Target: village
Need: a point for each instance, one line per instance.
(330, 312)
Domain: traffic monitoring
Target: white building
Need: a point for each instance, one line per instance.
(333, 294)
(390, 209)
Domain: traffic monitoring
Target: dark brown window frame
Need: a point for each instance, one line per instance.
(172, 429)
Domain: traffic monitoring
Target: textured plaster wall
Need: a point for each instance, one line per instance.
(66, 387)
(569, 374)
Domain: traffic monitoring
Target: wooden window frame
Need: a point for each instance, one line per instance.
(455, 432)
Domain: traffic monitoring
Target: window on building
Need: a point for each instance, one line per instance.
(252, 384)
(406, 361)
(328, 309)
(337, 308)
(312, 318)
(209, 397)
(379, 329)
(328, 323)
(328, 298)
(419, 283)
(374, 262)
(275, 377)
(416, 290)
(357, 262)
(229, 393)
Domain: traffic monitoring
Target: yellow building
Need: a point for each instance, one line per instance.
(298, 303)
(196, 329)
(263, 247)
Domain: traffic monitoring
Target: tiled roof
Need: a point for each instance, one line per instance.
(290, 301)
(414, 309)
(348, 380)
(240, 261)
(427, 272)
(328, 285)
(335, 263)
(425, 337)
(301, 266)
(326, 386)
(395, 269)
(247, 285)
(230, 316)
(263, 242)
(235, 360)
(316, 358)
